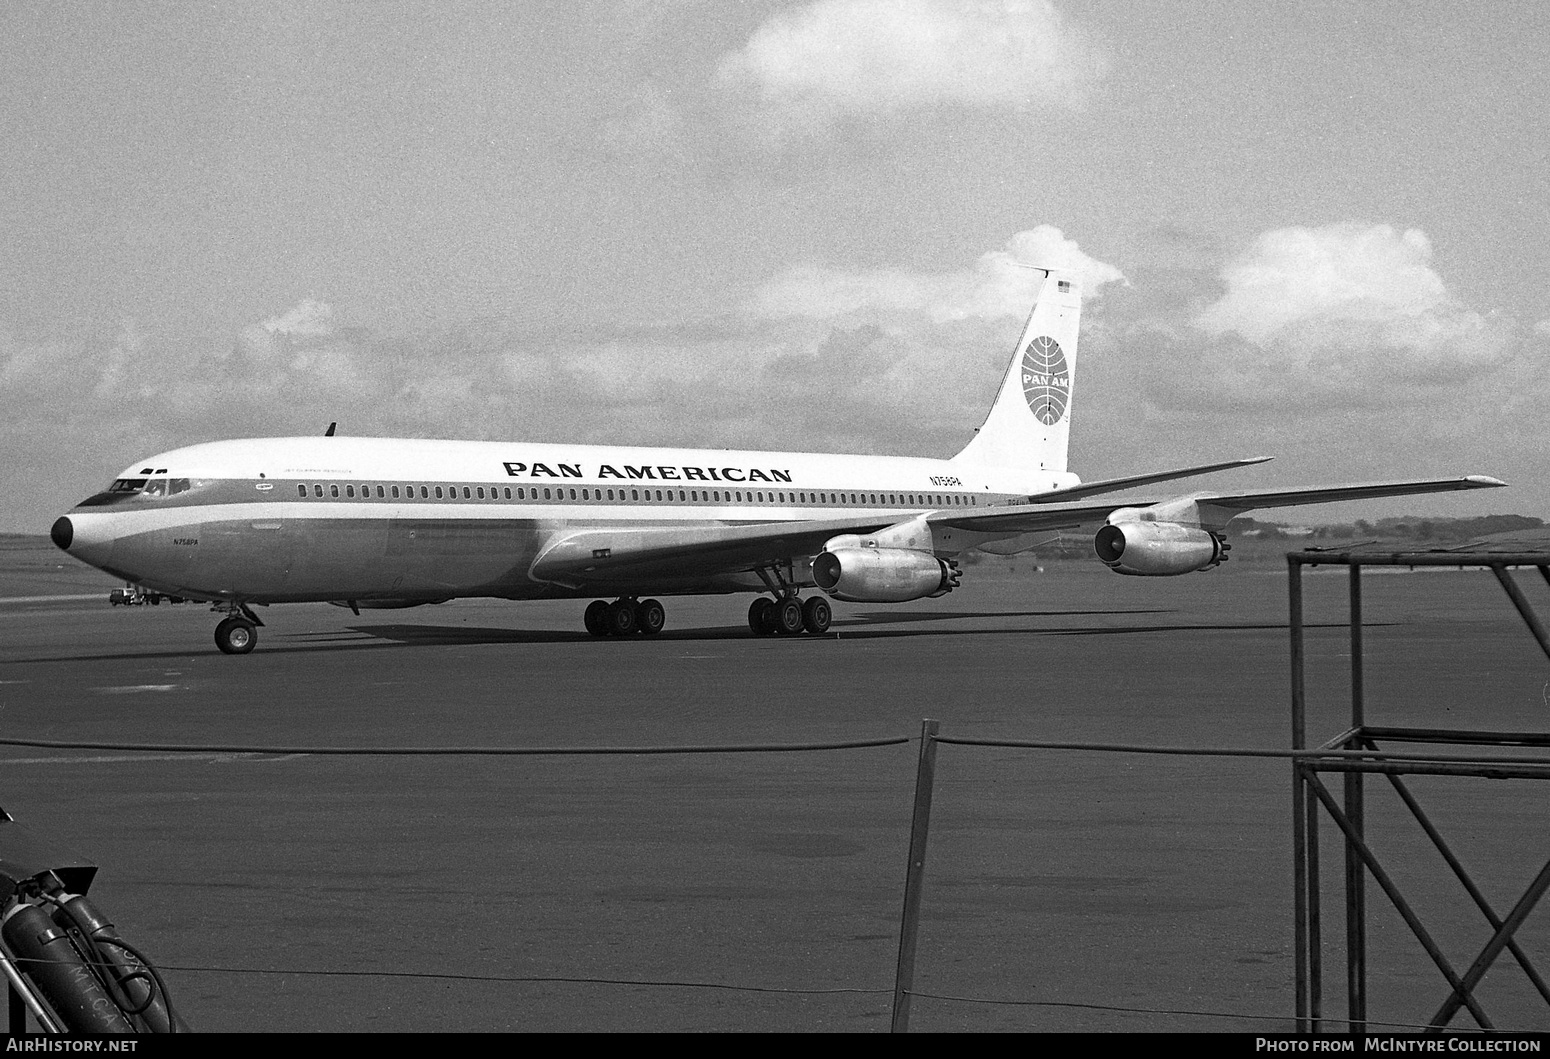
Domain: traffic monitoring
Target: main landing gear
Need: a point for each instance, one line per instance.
(786, 615)
(624, 617)
(789, 616)
(238, 633)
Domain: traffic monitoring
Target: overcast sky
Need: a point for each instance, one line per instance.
(1317, 231)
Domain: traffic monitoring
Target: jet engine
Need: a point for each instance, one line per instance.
(1159, 549)
(883, 575)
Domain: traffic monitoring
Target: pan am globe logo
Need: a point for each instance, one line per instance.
(1046, 380)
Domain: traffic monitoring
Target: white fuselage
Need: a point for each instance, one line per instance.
(389, 520)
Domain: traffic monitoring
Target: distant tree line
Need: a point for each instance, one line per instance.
(1426, 529)
(1246, 531)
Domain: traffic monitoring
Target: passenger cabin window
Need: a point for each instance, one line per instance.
(301, 490)
(333, 491)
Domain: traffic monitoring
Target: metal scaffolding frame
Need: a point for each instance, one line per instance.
(1338, 755)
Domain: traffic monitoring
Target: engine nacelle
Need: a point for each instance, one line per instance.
(883, 575)
(1158, 549)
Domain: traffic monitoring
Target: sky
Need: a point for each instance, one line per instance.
(1315, 231)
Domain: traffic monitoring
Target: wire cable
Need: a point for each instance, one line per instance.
(457, 751)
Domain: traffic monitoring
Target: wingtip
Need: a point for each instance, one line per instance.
(1483, 481)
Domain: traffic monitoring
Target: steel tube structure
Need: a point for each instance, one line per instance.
(1355, 752)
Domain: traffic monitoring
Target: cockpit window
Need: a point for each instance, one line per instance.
(156, 487)
(176, 486)
(127, 485)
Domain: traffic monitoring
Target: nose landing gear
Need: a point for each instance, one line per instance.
(237, 634)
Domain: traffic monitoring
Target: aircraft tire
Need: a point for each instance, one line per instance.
(788, 616)
(596, 617)
(650, 617)
(761, 616)
(621, 617)
(816, 615)
(236, 636)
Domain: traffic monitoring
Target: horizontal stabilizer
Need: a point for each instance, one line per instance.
(1110, 485)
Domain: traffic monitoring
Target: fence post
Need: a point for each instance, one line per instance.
(909, 926)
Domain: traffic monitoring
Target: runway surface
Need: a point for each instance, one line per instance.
(317, 893)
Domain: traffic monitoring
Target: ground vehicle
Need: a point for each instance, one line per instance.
(135, 596)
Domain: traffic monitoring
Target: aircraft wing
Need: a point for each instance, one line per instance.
(601, 555)
(1027, 518)
(1304, 495)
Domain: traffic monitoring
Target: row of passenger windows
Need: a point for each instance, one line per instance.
(635, 496)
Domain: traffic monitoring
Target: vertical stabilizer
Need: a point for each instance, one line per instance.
(1030, 423)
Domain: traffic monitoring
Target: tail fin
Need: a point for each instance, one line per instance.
(1030, 423)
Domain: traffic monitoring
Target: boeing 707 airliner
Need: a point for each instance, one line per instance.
(379, 522)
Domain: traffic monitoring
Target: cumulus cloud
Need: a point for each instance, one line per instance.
(997, 285)
(303, 324)
(832, 59)
(1343, 349)
(1347, 297)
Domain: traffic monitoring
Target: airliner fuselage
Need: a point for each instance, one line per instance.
(378, 520)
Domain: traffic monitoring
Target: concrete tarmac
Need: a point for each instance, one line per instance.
(1064, 890)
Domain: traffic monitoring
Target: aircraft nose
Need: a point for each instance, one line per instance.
(89, 536)
(62, 533)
